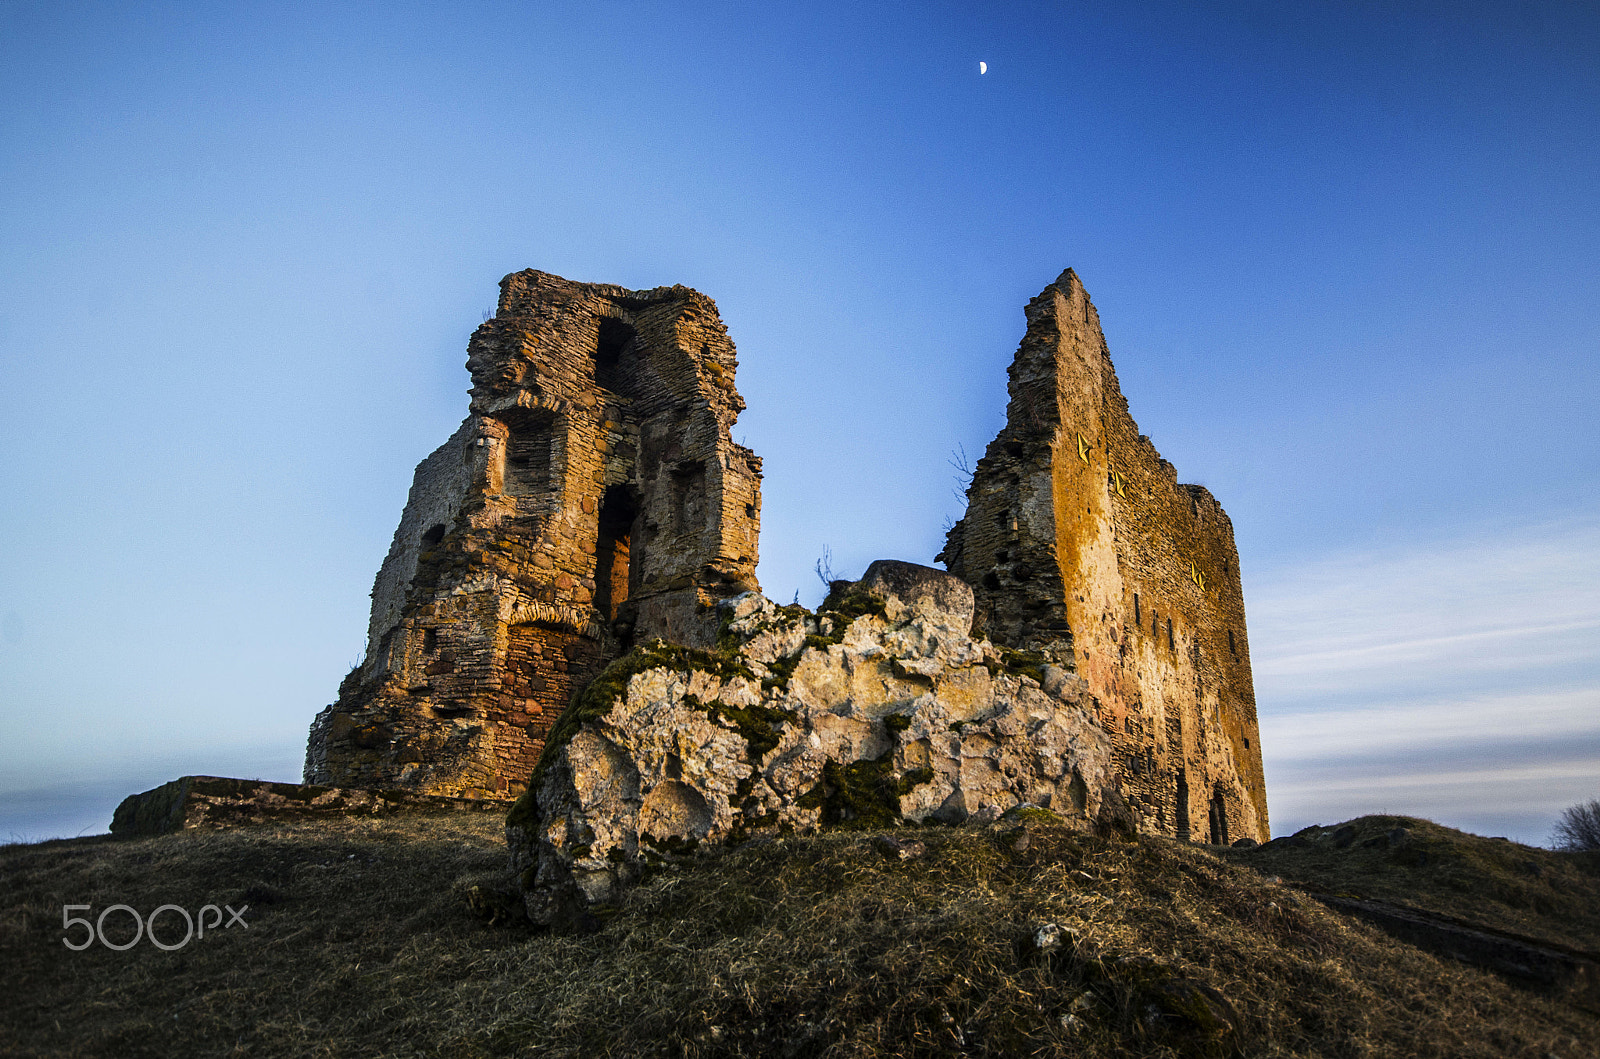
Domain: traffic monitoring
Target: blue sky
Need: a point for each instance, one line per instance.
(1345, 255)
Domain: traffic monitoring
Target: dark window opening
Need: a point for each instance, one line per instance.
(430, 640)
(433, 536)
(612, 551)
(1234, 651)
(615, 338)
(1136, 619)
(1170, 642)
(991, 580)
(1002, 518)
(1247, 742)
(527, 469)
(1183, 805)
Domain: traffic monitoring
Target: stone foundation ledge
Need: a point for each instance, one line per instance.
(219, 801)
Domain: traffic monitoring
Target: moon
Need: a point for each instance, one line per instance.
(983, 68)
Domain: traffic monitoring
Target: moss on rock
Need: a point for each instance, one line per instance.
(597, 698)
(863, 795)
(849, 601)
(757, 723)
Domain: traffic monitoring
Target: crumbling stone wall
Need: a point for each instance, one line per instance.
(1081, 545)
(592, 497)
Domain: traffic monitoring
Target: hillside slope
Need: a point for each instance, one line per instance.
(360, 941)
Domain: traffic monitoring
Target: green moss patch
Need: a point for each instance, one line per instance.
(863, 795)
(758, 724)
(848, 601)
(784, 668)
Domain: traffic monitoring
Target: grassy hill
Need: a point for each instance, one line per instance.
(368, 937)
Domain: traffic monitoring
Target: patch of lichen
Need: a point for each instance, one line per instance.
(597, 698)
(863, 795)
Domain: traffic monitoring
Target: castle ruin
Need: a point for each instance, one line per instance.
(1081, 545)
(592, 497)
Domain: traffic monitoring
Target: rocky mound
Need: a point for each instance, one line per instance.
(878, 709)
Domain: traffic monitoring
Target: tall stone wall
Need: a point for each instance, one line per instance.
(592, 497)
(1080, 544)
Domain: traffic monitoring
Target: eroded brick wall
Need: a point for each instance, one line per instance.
(592, 497)
(1081, 544)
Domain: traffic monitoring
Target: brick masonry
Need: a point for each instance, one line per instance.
(1081, 544)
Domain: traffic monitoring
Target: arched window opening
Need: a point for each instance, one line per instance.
(618, 510)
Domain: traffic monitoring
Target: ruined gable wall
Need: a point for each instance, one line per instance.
(1079, 542)
(592, 496)
(700, 493)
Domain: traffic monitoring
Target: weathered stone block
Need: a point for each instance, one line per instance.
(217, 801)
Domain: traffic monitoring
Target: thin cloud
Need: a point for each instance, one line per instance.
(1450, 671)
(1436, 724)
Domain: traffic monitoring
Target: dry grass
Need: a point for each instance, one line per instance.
(360, 943)
(1531, 891)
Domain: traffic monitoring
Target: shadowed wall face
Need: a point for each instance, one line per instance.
(1080, 544)
(592, 497)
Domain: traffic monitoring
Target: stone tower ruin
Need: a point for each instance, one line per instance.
(592, 497)
(1081, 545)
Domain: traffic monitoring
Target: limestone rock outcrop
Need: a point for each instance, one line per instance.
(592, 496)
(878, 709)
(1080, 544)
